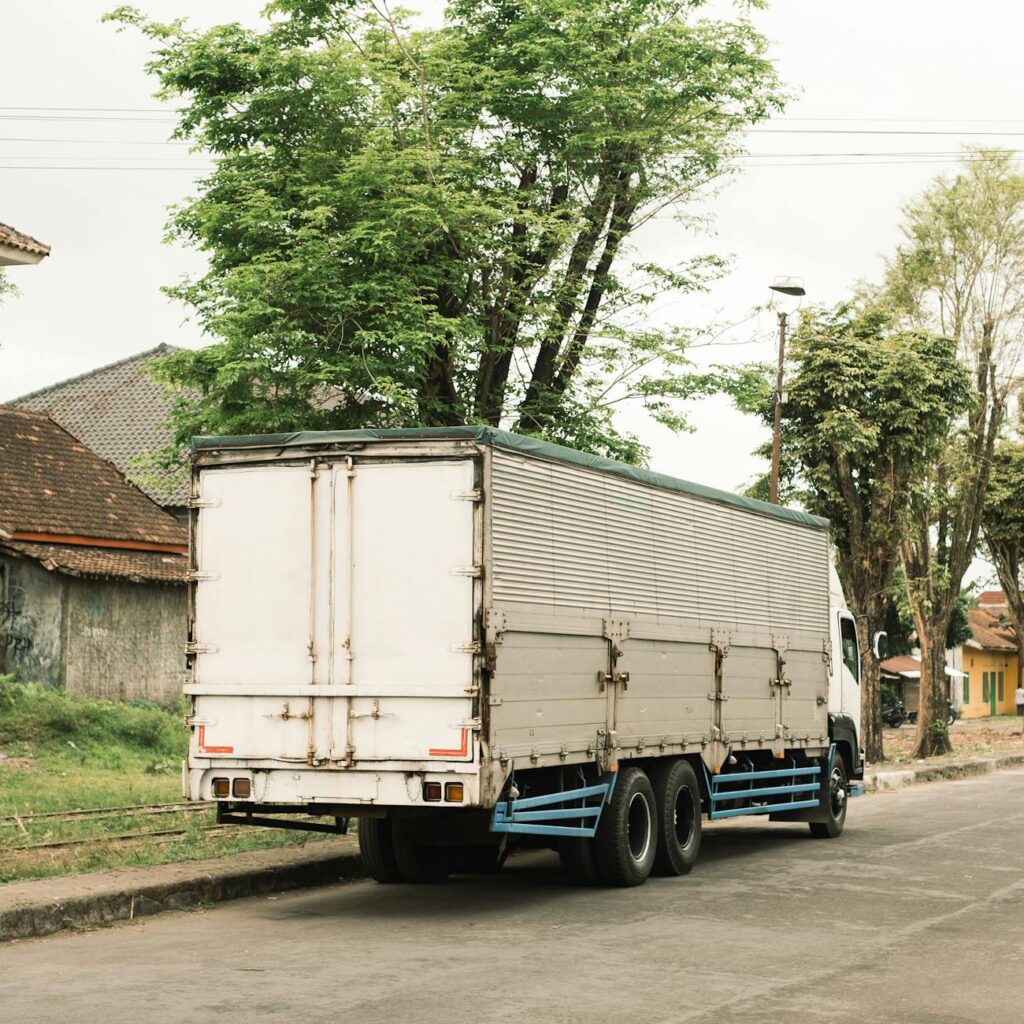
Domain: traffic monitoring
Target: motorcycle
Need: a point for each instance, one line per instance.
(951, 714)
(894, 713)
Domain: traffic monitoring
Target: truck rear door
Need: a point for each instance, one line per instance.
(334, 612)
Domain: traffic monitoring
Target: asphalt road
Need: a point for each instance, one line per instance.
(914, 916)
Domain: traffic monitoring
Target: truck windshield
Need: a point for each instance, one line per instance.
(851, 657)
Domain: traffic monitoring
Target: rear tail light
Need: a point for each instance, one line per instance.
(454, 792)
(432, 791)
(221, 787)
(242, 788)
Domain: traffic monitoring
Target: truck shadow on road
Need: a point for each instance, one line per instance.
(532, 880)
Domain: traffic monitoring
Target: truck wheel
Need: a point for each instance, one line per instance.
(835, 799)
(578, 862)
(677, 798)
(627, 837)
(416, 862)
(377, 850)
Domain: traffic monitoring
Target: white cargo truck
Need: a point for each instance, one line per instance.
(467, 639)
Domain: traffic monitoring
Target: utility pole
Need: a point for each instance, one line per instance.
(788, 293)
(773, 480)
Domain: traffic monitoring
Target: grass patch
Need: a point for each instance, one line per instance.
(61, 753)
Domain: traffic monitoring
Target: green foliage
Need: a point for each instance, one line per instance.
(432, 227)
(960, 270)
(869, 407)
(6, 286)
(53, 719)
(900, 624)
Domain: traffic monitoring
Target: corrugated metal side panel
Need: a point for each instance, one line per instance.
(574, 540)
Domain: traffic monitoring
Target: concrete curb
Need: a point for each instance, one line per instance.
(878, 781)
(43, 907)
(33, 909)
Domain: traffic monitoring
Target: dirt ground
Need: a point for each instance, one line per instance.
(973, 737)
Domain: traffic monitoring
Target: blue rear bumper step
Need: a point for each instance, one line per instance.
(529, 815)
(790, 792)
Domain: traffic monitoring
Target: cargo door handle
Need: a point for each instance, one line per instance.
(615, 676)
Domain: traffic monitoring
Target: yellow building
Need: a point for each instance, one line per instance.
(989, 660)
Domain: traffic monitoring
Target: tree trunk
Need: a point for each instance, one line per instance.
(932, 710)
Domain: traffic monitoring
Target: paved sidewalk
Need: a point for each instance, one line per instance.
(31, 909)
(879, 777)
(48, 905)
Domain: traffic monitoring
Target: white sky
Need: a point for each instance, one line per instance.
(922, 65)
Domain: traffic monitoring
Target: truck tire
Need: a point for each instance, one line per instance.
(377, 850)
(627, 837)
(677, 798)
(418, 863)
(578, 862)
(835, 797)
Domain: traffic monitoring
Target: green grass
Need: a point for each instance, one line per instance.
(61, 752)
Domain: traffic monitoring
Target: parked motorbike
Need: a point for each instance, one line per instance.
(951, 714)
(894, 714)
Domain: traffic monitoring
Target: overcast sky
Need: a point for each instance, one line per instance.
(904, 68)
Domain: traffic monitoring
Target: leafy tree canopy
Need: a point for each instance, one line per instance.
(410, 227)
(868, 407)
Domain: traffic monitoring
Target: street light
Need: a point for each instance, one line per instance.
(787, 294)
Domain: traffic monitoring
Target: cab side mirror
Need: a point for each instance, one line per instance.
(880, 645)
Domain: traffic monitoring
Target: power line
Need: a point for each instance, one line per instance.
(82, 117)
(67, 167)
(113, 142)
(102, 110)
(869, 131)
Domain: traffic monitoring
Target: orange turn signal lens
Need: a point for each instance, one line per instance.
(242, 788)
(432, 791)
(454, 792)
(221, 787)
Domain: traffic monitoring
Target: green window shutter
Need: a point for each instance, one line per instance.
(1000, 697)
(967, 688)
(984, 687)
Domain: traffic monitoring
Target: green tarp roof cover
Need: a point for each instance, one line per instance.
(512, 442)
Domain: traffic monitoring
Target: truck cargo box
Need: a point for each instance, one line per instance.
(373, 610)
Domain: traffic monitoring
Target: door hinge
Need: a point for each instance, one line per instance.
(476, 495)
(476, 571)
(193, 647)
(470, 648)
(204, 503)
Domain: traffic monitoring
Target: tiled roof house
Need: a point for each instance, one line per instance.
(990, 659)
(92, 572)
(121, 413)
(17, 248)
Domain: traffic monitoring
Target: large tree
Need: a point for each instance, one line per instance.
(433, 227)
(959, 271)
(868, 408)
(1003, 529)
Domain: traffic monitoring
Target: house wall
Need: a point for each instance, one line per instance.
(976, 663)
(125, 641)
(104, 638)
(32, 604)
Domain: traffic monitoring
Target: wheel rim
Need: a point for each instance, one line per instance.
(682, 815)
(837, 792)
(638, 827)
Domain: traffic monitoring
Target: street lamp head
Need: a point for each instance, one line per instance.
(787, 294)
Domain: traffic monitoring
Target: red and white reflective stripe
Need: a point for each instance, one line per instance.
(460, 752)
(202, 748)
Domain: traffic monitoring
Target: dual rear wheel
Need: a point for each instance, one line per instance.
(650, 824)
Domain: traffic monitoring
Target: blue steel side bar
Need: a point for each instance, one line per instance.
(793, 783)
(522, 817)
